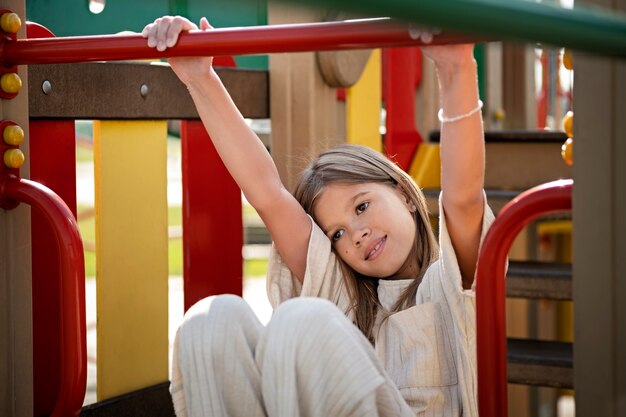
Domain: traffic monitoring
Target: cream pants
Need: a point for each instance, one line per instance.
(309, 361)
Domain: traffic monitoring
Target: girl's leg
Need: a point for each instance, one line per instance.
(214, 372)
(314, 362)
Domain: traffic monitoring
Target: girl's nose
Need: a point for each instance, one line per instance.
(360, 235)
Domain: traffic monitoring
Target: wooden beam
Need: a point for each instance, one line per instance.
(132, 90)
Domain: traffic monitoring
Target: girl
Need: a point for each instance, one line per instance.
(355, 233)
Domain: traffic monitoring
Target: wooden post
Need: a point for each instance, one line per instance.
(518, 90)
(600, 233)
(16, 364)
(304, 110)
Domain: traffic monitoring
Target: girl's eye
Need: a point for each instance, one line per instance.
(337, 235)
(362, 207)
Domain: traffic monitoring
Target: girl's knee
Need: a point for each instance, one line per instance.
(226, 306)
(304, 309)
(218, 319)
(305, 316)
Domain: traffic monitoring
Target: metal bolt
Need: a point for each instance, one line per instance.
(46, 87)
(143, 90)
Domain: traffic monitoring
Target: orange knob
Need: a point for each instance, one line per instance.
(13, 135)
(10, 83)
(568, 59)
(568, 124)
(13, 158)
(499, 115)
(567, 151)
(10, 22)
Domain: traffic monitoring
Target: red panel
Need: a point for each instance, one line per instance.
(212, 223)
(401, 76)
(53, 164)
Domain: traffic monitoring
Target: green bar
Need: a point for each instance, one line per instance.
(599, 31)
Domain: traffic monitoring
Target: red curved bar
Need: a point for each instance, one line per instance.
(490, 288)
(73, 338)
(356, 34)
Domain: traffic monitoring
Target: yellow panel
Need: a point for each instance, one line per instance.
(555, 226)
(426, 166)
(131, 253)
(363, 104)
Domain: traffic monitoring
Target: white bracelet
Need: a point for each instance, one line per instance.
(444, 119)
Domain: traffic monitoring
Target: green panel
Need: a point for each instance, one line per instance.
(479, 55)
(72, 17)
(232, 13)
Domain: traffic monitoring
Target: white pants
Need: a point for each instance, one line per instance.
(309, 361)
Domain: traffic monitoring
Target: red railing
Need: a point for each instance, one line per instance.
(490, 288)
(356, 34)
(73, 378)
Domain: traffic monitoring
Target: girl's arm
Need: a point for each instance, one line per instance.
(462, 152)
(240, 149)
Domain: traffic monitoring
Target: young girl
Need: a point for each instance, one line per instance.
(352, 241)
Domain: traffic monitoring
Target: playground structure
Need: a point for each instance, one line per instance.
(591, 358)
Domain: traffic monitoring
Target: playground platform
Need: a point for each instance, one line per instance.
(253, 293)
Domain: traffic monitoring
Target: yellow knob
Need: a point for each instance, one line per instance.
(10, 83)
(567, 151)
(13, 158)
(10, 22)
(568, 59)
(13, 135)
(499, 115)
(568, 124)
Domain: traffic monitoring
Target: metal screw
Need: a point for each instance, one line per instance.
(143, 90)
(46, 87)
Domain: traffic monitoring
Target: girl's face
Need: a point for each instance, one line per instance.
(371, 227)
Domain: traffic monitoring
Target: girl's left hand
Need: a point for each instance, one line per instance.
(164, 32)
(444, 56)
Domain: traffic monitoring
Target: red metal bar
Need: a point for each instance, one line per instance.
(73, 347)
(365, 33)
(490, 288)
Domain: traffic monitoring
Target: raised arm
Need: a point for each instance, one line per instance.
(462, 152)
(240, 149)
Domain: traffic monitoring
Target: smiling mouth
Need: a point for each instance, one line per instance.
(373, 253)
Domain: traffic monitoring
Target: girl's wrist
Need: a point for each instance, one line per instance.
(201, 81)
(448, 71)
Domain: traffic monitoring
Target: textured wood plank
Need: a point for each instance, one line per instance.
(539, 362)
(154, 401)
(539, 280)
(113, 90)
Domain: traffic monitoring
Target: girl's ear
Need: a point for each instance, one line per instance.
(407, 201)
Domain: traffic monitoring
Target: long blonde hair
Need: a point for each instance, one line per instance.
(354, 164)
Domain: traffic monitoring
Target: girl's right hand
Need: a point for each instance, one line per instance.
(163, 33)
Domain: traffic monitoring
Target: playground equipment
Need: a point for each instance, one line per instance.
(367, 33)
(490, 292)
(17, 52)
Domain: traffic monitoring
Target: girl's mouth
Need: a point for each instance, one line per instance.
(376, 249)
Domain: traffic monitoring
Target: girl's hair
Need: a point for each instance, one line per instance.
(354, 164)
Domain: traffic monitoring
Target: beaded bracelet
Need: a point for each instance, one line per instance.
(444, 119)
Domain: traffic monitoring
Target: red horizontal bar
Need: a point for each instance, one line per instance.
(490, 288)
(252, 40)
(73, 338)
